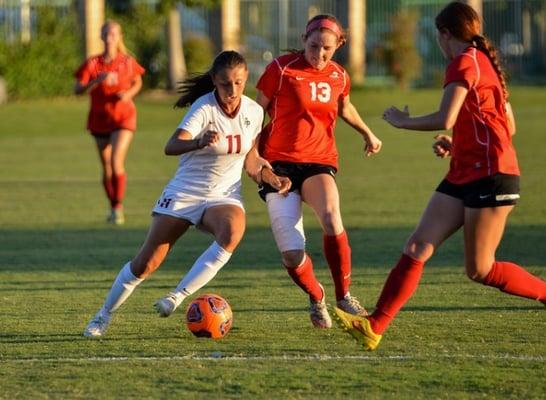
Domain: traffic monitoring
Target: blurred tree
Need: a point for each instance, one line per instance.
(400, 52)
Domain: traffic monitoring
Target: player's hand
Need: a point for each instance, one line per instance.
(123, 96)
(281, 183)
(396, 117)
(373, 145)
(442, 146)
(101, 77)
(254, 165)
(209, 139)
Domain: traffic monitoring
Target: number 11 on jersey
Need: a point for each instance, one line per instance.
(234, 140)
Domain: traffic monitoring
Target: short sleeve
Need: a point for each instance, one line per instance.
(137, 68)
(195, 120)
(462, 69)
(347, 88)
(269, 81)
(83, 73)
(259, 121)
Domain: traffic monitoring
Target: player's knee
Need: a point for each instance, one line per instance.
(419, 249)
(331, 222)
(292, 258)
(230, 238)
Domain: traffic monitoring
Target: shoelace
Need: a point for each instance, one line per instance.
(353, 302)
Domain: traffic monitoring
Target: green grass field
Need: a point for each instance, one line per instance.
(455, 339)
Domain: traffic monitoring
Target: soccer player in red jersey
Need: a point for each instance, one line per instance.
(112, 78)
(481, 186)
(304, 92)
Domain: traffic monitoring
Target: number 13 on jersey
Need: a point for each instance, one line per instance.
(320, 91)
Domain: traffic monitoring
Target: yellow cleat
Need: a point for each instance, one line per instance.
(358, 327)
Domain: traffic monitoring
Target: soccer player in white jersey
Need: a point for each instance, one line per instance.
(213, 140)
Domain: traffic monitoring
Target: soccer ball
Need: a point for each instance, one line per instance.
(209, 316)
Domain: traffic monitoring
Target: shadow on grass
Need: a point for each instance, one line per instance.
(78, 251)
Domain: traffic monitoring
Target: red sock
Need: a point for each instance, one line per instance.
(511, 278)
(399, 287)
(108, 188)
(338, 255)
(119, 182)
(304, 277)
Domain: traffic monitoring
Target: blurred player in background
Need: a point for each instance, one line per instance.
(112, 79)
(481, 186)
(213, 140)
(304, 92)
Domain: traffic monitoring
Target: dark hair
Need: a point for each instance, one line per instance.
(196, 86)
(463, 22)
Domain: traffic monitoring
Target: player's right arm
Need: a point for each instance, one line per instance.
(262, 100)
(81, 88)
(183, 142)
(510, 119)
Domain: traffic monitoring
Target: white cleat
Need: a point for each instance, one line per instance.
(166, 305)
(319, 314)
(351, 305)
(97, 326)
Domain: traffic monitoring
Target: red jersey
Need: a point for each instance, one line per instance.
(108, 113)
(303, 110)
(482, 144)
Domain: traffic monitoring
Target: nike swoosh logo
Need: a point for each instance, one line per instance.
(484, 196)
(299, 78)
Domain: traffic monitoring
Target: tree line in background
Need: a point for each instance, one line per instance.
(44, 66)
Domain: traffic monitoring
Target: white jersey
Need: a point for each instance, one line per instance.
(216, 171)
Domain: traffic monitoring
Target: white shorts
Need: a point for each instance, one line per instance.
(189, 206)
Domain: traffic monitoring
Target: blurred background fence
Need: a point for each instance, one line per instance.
(400, 38)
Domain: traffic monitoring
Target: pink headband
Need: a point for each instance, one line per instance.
(323, 23)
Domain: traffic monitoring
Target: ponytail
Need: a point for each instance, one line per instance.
(193, 88)
(483, 44)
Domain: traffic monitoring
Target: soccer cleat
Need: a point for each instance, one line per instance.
(351, 305)
(166, 305)
(97, 326)
(358, 327)
(319, 314)
(116, 216)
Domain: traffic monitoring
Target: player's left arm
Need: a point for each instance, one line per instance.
(452, 100)
(510, 119)
(254, 163)
(136, 85)
(350, 115)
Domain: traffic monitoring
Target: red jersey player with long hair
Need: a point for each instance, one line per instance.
(112, 78)
(481, 186)
(303, 93)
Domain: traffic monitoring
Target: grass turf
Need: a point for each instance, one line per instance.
(455, 339)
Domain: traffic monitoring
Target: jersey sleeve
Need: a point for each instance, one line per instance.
(195, 120)
(462, 69)
(259, 121)
(269, 81)
(83, 73)
(347, 88)
(137, 68)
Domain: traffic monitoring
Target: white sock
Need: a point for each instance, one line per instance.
(202, 271)
(121, 289)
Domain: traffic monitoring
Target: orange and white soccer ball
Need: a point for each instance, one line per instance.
(209, 316)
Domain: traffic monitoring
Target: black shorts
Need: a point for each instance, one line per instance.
(492, 191)
(103, 135)
(297, 172)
